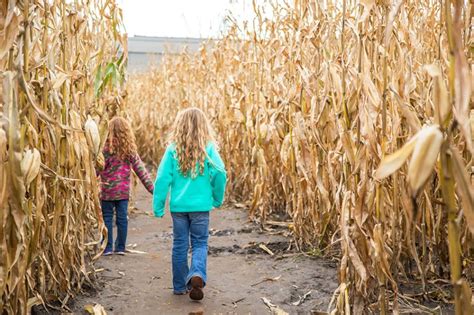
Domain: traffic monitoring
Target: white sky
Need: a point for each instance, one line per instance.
(181, 18)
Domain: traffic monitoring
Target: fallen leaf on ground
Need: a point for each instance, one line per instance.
(279, 223)
(302, 299)
(132, 251)
(237, 301)
(273, 308)
(95, 309)
(267, 279)
(266, 249)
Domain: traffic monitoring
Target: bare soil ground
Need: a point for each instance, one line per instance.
(240, 273)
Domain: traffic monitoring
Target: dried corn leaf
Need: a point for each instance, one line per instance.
(393, 162)
(465, 188)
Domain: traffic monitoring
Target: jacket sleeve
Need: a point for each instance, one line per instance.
(164, 176)
(142, 173)
(218, 177)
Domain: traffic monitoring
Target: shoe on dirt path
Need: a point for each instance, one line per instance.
(120, 253)
(196, 293)
(107, 253)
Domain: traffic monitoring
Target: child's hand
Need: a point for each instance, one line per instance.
(100, 162)
(158, 215)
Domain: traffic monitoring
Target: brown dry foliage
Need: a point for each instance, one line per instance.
(306, 106)
(51, 58)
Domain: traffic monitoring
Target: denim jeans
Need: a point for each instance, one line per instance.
(186, 225)
(121, 207)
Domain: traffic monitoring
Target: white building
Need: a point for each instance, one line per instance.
(144, 50)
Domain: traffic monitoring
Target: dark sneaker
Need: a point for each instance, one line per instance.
(196, 292)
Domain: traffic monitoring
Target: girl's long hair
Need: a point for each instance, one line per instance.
(121, 140)
(190, 134)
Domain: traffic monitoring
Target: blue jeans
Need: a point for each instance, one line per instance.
(196, 226)
(121, 207)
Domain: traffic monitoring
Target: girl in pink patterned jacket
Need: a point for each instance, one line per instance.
(121, 156)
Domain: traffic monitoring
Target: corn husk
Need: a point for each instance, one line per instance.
(30, 165)
(92, 135)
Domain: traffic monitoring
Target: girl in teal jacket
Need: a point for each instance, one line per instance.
(193, 174)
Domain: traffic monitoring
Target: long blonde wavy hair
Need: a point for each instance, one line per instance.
(121, 140)
(190, 134)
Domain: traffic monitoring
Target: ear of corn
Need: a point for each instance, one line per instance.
(309, 105)
(51, 53)
(424, 157)
(30, 165)
(92, 135)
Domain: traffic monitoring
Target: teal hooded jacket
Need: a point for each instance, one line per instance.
(202, 193)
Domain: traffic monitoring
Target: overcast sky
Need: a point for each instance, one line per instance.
(181, 18)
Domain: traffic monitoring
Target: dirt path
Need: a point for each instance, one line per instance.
(237, 269)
